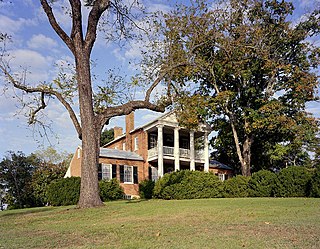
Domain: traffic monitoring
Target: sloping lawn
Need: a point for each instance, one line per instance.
(207, 223)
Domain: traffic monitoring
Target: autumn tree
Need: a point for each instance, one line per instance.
(97, 105)
(252, 67)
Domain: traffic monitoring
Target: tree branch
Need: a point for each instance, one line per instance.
(99, 6)
(53, 22)
(48, 91)
(76, 19)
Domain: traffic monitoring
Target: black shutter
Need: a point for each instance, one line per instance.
(135, 174)
(99, 171)
(121, 173)
(114, 171)
(150, 173)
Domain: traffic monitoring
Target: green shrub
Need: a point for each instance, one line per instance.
(146, 189)
(64, 191)
(236, 187)
(262, 184)
(315, 184)
(293, 181)
(110, 190)
(187, 184)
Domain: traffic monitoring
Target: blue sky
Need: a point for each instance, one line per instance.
(35, 45)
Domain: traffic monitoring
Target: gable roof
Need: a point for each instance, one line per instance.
(119, 154)
(217, 165)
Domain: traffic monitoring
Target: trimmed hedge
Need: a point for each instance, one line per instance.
(236, 187)
(293, 181)
(146, 189)
(262, 184)
(315, 183)
(64, 191)
(187, 184)
(110, 190)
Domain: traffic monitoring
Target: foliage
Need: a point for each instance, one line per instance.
(41, 179)
(64, 191)
(110, 190)
(293, 181)
(106, 136)
(16, 171)
(255, 70)
(236, 187)
(262, 184)
(315, 183)
(187, 184)
(146, 189)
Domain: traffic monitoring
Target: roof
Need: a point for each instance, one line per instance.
(119, 154)
(217, 165)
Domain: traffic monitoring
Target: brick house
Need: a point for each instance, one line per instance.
(149, 151)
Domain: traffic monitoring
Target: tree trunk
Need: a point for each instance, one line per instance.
(246, 152)
(89, 194)
(244, 155)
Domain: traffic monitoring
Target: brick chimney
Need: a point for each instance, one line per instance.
(129, 127)
(117, 132)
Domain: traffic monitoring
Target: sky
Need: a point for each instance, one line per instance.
(35, 46)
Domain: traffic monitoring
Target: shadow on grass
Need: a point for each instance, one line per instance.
(134, 201)
(25, 211)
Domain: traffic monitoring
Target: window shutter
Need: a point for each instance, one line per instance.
(121, 173)
(135, 174)
(150, 173)
(99, 171)
(114, 171)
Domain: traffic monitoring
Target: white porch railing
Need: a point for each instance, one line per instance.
(169, 151)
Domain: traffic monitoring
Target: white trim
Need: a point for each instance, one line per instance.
(136, 143)
(104, 166)
(124, 174)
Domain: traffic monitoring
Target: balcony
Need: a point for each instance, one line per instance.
(169, 151)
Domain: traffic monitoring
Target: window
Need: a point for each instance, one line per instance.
(106, 170)
(152, 141)
(79, 153)
(123, 146)
(116, 147)
(153, 173)
(136, 143)
(128, 174)
(222, 177)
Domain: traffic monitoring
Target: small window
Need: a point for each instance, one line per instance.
(106, 170)
(136, 143)
(79, 153)
(123, 146)
(153, 173)
(152, 141)
(128, 174)
(221, 177)
(116, 147)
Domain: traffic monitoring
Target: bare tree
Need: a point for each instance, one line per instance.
(95, 110)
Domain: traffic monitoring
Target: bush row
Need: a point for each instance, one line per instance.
(66, 191)
(289, 182)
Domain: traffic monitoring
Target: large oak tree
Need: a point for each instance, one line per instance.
(96, 109)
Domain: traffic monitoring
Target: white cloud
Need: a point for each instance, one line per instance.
(41, 41)
(11, 26)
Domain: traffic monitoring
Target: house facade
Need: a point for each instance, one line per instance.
(150, 151)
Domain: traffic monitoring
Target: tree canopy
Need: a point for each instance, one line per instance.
(253, 70)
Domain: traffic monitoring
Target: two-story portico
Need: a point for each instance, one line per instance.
(171, 147)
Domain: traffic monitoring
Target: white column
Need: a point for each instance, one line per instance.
(192, 163)
(176, 149)
(206, 152)
(160, 150)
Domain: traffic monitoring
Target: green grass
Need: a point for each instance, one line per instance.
(207, 223)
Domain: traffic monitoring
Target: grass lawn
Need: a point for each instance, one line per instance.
(207, 223)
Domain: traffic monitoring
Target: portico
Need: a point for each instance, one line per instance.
(171, 147)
